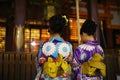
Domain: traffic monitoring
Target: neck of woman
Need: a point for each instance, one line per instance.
(90, 38)
(55, 35)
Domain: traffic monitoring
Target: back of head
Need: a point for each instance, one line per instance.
(88, 27)
(57, 24)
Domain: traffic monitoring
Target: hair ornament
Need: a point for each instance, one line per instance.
(64, 16)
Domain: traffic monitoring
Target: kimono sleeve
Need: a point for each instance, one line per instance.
(76, 56)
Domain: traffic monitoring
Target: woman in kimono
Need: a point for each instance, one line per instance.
(88, 56)
(55, 54)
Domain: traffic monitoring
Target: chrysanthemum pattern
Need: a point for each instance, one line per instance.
(64, 49)
(83, 56)
(48, 48)
(100, 47)
(87, 47)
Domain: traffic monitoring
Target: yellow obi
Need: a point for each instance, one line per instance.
(90, 68)
(56, 68)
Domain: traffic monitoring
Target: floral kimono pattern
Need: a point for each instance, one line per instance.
(87, 59)
(54, 53)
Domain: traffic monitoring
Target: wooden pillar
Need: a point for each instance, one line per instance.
(107, 25)
(92, 10)
(9, 45)
(20, 9)
(93, 14)
(109, 37)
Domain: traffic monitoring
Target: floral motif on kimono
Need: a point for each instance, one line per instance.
(84, 67)
(52, 60)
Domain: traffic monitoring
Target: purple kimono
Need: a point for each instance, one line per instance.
(82, 54)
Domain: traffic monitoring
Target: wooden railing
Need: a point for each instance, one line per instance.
(21, 66)
(112, 61)
(17, 66)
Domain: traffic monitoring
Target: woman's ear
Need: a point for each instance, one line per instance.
(49, 30)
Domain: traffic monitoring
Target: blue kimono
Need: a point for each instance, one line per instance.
(54, 53)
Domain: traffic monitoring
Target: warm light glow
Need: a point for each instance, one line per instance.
(33, 43)
(2, 38)
(33, 37)
(82, 20)
(73, 28)
(70, 20)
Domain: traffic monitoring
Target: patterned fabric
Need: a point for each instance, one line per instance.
(46, 77)
(51, 50)
(84, 53)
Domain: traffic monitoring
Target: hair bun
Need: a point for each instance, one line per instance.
(59, 20)
(57, 23)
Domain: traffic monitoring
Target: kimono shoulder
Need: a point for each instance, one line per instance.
(85, 52)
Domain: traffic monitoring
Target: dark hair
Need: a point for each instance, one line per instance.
(88, 27)
(57, 24)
